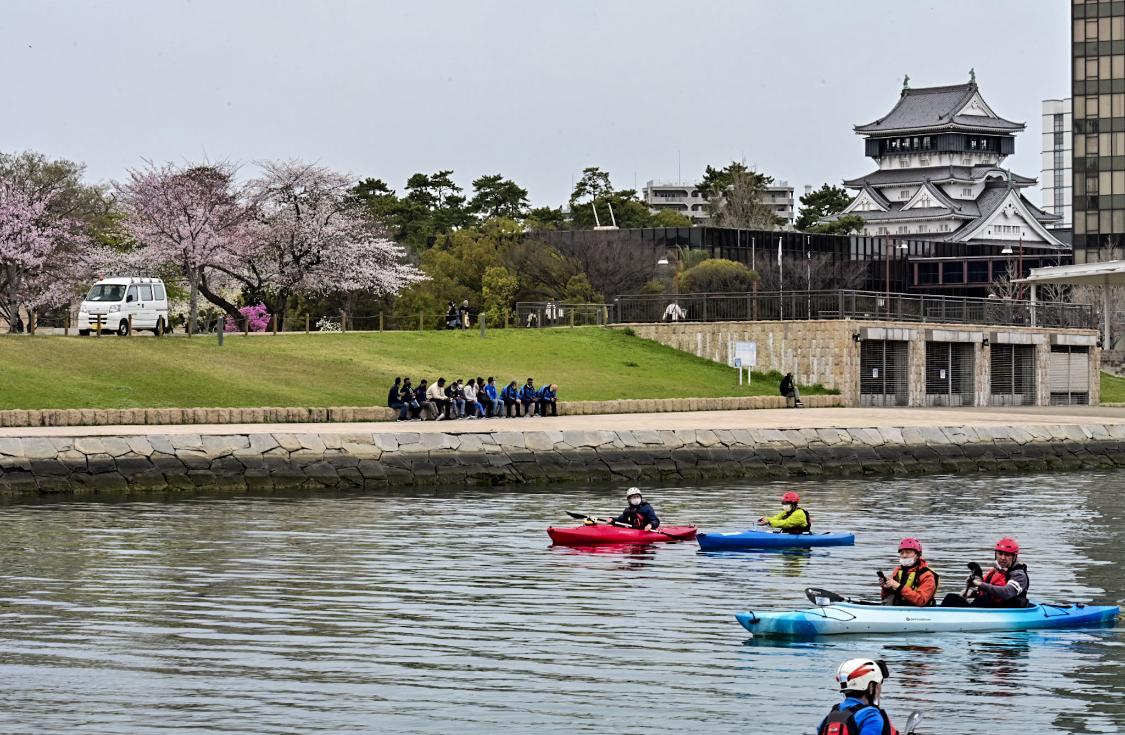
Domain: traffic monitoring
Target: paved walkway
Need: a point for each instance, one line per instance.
(808, 418)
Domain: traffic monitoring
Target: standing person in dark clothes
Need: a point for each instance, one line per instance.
(451, 318)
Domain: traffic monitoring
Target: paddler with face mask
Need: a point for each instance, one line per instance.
(792, 518)
(912, 582)
(639, 514)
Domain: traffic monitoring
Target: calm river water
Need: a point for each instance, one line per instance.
(447, 612)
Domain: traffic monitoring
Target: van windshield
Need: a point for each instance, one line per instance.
(106, 292)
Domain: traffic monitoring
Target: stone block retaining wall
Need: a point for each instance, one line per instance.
(387, 459)
(172, 416)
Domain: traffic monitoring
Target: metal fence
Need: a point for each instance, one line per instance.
(790, 305)
(557, 314)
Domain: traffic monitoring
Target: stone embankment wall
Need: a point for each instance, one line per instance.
(380, 459)
(177, 416)
(828, 351)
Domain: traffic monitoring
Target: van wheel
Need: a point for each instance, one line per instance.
(83, 332)
(123, 329)
(159, 330)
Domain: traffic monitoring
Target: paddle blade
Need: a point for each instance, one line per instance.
(820, 597)
(912, 722)
(579, 516)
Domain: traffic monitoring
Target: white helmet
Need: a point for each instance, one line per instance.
(856, 673)
(633, 491)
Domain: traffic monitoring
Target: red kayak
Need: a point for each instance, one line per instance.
(603, 534)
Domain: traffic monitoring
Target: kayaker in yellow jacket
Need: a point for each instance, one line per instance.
(792, 518)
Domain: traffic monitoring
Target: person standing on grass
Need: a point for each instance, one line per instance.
(548, 400)
(436, 394)
(463, 314)
(529, 397)
(511, 397)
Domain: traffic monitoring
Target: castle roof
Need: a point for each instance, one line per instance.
(936, 174)
(953, 107)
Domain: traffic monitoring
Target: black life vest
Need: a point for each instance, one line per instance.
(634, 517)
(999, 578)
(913, 579)
(841, 721)
(799, 529)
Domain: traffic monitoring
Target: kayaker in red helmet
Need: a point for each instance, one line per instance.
(1004, 585)
(861, 683)
(792, 518)
(638, 514)
(912, 582)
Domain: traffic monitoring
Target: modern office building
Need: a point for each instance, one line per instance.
(684, 198)
(1057, 161)
(1098, 92)
(938, 154)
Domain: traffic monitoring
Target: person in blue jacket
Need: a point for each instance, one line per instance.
(511, 398)
(493, 408)
(639, 514)
(529, 397)
(548, 400)
(394, 400)
(861, 683)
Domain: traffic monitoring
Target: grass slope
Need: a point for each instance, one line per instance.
(346, 370)
(1113, 389)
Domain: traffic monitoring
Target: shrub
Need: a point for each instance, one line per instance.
(258, 317)
(717, 275)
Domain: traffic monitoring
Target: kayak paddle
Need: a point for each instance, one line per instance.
(974, 571)
(610, 521)
(821, 598)
(912, 721)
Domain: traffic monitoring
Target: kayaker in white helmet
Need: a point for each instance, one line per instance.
(861, 682)
(638, 514)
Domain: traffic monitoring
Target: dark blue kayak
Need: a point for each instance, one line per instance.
(750, 539)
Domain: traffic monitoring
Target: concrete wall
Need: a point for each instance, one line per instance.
(264, 459)
(827, 351)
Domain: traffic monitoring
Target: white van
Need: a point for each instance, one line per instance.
(112, 301)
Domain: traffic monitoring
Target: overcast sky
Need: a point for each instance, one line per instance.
(533, 90)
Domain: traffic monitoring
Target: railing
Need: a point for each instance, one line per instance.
(796, 305)
(557, 314)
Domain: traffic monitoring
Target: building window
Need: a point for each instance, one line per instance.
(903, 229)
(967, 192)
(1058, 159)
(1058, 201)
(1058, 122)
(903, 162)
(904, 194)
(926, 143)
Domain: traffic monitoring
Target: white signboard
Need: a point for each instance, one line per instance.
(745, 354)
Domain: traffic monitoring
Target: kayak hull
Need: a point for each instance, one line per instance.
(845, 619)
(751, 539)
(602, 535)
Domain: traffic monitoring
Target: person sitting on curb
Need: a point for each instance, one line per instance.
(1005, 585)
(638, 514)
(394, 400)
(789, 389)
(469, 391)
(436, 395)
(511, 397)
(548, 400)
(414, 410)
(861, 683)
(456, 399)
(792, 518)
(529, 397)
(429, 409)
(912, 582)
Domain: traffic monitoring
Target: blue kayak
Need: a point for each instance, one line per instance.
(848, 618)
(751, 539)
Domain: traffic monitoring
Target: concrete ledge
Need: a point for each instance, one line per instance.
(341, 459)
(348, 414)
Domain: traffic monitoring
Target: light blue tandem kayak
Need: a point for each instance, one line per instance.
(847, 618)
(751, 539)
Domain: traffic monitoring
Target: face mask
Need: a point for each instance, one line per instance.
(907, 560)
(787, 507)
(635, 501)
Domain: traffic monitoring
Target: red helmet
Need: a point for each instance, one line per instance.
(790, 497)
(1008, 545)
(910, 543)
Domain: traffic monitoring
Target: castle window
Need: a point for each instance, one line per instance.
(966, 192)
(926, 143)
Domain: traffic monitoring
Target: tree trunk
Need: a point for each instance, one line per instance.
(280, 307)
(228, 308)
(193, 300)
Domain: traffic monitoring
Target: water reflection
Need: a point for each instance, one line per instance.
(438, 611)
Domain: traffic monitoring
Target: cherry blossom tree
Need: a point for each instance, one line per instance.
(41, 255)
(313, 238)
(193, 216)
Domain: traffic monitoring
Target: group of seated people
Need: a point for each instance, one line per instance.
(470, 399)
(914, 583)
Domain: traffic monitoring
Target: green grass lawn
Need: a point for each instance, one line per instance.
(1113, 389)
(347, 369)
